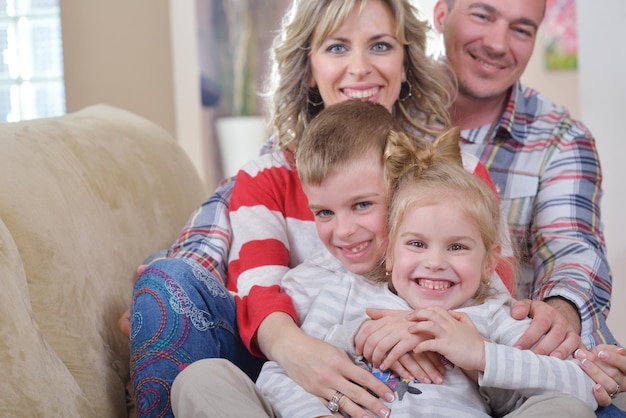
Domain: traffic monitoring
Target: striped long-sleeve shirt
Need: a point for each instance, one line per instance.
(332, 303)
(547, 170)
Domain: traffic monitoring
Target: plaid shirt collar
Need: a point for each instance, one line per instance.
(512, 123)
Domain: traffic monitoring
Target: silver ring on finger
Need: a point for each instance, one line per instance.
(333, 405)
(615, 392)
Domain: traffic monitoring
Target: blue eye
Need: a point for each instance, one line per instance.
(324, 213)
(336, 49)
(362, 205)
(381, 47)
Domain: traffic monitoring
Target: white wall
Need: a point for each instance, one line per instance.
(602, 72)
(560, 86)
(119, 54)
(190, 117)
(140, 56)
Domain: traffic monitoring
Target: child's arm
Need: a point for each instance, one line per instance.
(530, 374)
(318, 366)
(267, 201)
(500, 365)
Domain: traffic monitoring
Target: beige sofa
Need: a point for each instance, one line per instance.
(84, 198)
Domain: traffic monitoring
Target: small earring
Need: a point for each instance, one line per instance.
(387, 273)
(407, 88)
(314, 91)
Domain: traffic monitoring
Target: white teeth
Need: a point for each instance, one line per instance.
(434, 285)
(357, 249)
(486, 64)
(360, 94)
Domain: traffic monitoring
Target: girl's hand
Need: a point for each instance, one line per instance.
(428, 365)
(386, 342)
(549, 329)
(454, 336)
(321, 368)
(606, 365)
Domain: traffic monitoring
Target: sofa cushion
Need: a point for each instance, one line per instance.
(85, 197)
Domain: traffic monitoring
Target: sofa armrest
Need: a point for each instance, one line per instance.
(86, 197)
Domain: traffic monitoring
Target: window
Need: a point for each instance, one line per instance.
(31, 70)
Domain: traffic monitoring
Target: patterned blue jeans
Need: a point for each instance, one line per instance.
(180, 313)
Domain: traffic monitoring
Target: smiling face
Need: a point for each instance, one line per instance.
(489, 42)
(438, 257)
(360, 60)
(350, 212)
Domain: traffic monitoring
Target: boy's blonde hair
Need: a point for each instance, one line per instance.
(342, 133)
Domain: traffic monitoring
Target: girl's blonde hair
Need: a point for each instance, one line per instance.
(291, 109)
(342, 133)
(426, 175)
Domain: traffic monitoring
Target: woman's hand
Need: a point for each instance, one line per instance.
(387, 343)
(321, 368)
(454, 336)
(606, 365)
(552, 327)
(124, 322)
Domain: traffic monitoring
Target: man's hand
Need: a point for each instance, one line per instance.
(554, 329)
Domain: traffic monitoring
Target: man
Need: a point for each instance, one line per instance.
(544, 163)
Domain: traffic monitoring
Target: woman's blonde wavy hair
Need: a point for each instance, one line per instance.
(288, 90)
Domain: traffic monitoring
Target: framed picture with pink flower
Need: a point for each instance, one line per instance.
(561, 35)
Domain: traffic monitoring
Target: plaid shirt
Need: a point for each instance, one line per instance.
(546, 168)
(206, 236)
